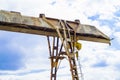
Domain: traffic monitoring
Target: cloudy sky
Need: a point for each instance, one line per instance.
(25, 56)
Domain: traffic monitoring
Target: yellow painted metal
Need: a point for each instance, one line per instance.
(78, 45)
(77, 55)
(55, 64)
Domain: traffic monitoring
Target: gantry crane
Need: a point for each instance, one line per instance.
(65, 35)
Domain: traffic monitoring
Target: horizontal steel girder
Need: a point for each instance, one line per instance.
(15, 22)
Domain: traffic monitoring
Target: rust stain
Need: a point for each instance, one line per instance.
(85, 31)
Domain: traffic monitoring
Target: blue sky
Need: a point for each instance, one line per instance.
(24, 55)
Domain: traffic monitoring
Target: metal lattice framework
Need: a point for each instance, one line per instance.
(63, 32)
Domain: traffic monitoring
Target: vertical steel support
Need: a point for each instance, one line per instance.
(56, 54)
(73, 68)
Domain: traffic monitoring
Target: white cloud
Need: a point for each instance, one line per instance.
(92, 53)
(117, 36)
(35, 52)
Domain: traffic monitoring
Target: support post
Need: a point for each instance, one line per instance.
(56, 54)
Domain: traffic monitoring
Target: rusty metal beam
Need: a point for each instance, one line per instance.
(15, 22)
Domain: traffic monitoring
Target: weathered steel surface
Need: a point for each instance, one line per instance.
(14, 21)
